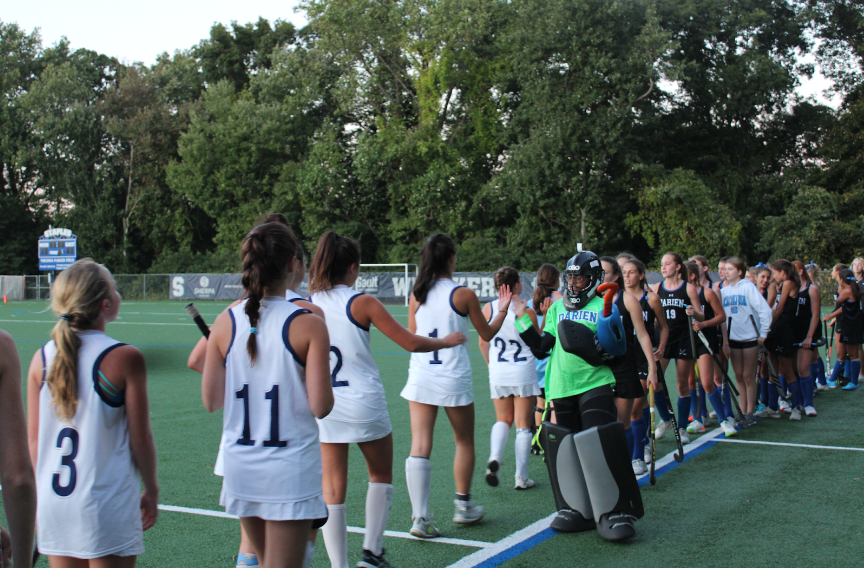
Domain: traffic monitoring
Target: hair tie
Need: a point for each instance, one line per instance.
(851, 278)
(760, 265)
(253, 330)
(66, 317)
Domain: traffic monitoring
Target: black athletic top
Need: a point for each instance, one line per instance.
(675, 304)
(790, 310)
(805, 314)
(624, 367)
(650, 318)
(710, 332)
(765, 293)
(850, 320)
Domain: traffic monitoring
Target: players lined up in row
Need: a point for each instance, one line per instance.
(298, 385)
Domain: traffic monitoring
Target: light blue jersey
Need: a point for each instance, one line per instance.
(539, 364)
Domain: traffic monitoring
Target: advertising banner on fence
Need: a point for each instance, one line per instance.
(379, 284)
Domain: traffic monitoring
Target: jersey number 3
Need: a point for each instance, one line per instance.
(68, 460)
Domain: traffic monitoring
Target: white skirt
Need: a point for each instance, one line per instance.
(524, 391)
(418, 393)
(313, 508)
(339, 432)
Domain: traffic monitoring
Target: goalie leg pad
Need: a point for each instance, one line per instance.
(568, 483)
(608, 472)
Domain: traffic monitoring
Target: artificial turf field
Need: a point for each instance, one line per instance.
(728, 504)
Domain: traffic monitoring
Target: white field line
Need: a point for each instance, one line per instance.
(812, 446)
(710, 436)
(359, 530)
(112, 323)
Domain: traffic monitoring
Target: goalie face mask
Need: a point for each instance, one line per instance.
(583, 275)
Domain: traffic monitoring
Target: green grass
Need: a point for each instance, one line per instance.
(732, 504)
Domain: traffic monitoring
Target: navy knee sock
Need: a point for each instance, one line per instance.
(847, 369)
(727, 401)
(820, 374)
(628, 433)
(763, 390)
(646, 416)
(838, 368)
(640, 430)
(797, 397)
(717, 402)
(683, 410)
(806, 390)
(783, 384)
(773, 398)
(703, 401)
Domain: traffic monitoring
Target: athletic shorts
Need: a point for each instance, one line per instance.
(853, 338)
(628, 390)
(734, 344)
(627, 383)
(851, 332)
(781, 339)
(681, 349)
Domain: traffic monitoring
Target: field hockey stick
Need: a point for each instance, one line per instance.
(695, 366)
(773, 377)
(196, 317)
(726, 380)
(679, 455)
(651, 477)
(830, 341)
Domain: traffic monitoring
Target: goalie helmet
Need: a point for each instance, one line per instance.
(585, 264)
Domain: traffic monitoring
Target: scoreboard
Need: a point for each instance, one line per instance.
(58, 249)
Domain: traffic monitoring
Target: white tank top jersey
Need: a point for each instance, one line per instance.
(448, 371)
(357, 389)
(87, 486)
(272, 454)
(511, 362)
(292, 296)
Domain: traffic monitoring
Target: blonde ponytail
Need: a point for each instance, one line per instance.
(76, 297)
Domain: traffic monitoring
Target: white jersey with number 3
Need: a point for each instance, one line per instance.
(87, 487)
(441, 378)
(272, 454)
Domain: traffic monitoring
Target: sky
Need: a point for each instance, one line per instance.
(136, 32)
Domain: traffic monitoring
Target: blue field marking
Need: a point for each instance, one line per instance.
(539, 532)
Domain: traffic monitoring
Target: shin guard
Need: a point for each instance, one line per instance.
(568, 482)
(608, 473)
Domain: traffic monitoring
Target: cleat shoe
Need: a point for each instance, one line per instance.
(763, 411)
(467, 512)
(568, 521)
(616, 526)
(647, 453)
(851, 387)
(771, 413)
(795, 414)
(821, 387)
(810, 411)
(712, 414)
(832, 384)
(369, 560)
(728, 429)
(759, 408)
(639, 467)
(522, 483)
(695, 427)
(245, 559)
(424, 528)
(685, 439)
(492, 472)
(660, 430)
(706, 420)
(749, 420)
(784, 406)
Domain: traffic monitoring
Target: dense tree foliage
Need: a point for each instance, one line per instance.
(520, 127)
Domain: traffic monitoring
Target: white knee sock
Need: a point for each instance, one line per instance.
(418, 473)
(523, 452)
(336, 536)
(379, 496)
(500, 432)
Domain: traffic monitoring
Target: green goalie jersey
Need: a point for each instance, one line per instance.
(567, 374)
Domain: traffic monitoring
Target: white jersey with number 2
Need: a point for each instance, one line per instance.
(440, 378)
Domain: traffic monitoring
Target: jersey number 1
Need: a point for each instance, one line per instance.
(273, 396)
(435, 360)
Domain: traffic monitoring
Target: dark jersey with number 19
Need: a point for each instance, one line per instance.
(675, 304)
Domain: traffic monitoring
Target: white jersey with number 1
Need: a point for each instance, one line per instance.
(440, 378)
(87, 486)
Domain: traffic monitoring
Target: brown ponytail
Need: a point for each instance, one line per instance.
(682, 270)
(333, 258)
(76, 297)
(786, 267)
(547, 282)
(434, 261)
(268, 252)
(506, 276)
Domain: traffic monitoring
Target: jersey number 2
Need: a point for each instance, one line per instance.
(273, 396)
(67, 460)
